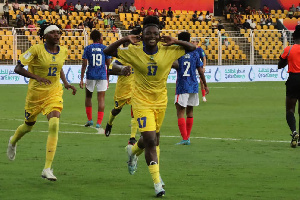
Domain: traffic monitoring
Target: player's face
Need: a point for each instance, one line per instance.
(151, 36)
(53, 37)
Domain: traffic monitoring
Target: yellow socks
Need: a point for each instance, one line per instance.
(136, 149)
(51, 141)
(20, 132)
(134, 127)
(158, 153)
(154, 171)
(111, 119)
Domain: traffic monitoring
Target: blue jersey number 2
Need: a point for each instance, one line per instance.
(152, 70)
(142, 122)
(52, 71)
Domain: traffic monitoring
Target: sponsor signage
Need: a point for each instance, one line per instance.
(230, 73)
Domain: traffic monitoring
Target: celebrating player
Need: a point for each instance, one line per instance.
(186, 96)
(203, 59)
(151, 62)
(291, 56)
(96, 76)
(44, 93)
(122, 94)
(122, 97)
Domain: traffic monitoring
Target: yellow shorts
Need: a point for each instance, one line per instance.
(149, 119)
(122, 102)
(33, 109)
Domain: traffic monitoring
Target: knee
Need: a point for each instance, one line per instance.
(150, 142)
(28, 127)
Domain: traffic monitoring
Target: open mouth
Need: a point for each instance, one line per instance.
(152, 41)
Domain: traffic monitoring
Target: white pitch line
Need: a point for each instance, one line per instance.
(101, 132)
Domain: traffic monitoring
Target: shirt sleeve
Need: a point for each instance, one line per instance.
(28, 55)
(199, 63)
(202, 53)
(125, 53)
(175, 52)
(84, 56)
(285, 52)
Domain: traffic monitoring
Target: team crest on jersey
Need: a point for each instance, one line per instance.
(53, 58)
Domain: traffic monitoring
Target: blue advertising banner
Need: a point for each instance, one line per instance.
(213, 74)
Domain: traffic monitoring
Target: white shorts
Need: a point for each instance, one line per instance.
(100, 84)
(187, 99)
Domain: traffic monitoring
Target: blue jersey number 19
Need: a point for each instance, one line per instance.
(97, 59)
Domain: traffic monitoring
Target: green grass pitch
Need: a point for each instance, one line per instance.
(239, 150)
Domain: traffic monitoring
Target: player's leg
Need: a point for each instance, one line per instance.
(89, 88)
(189, 121)
(180, 104)
(299, 120)
(158, 155)
(101, 105)
(290, 118)
(193, 101)
(101, 88)
(203, 91)
(30, 119)
(150, 142)
(12, 143)
(113, 114)
(133, 130)
(53, 120)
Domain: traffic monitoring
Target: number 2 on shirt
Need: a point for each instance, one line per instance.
(52, 71)
(152, 70)
(142, 122)
(188, 65)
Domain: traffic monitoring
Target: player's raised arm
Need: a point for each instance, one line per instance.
(19, 69)
(111, 50)
(168, 40)
(119, 69)
(175, 65)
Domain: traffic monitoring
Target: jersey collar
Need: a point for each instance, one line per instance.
(51, 52)
(144, 49)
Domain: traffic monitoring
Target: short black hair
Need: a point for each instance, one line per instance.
(136, 31)
(95, 35)
(296, 34)
(151, 21)
(184, 36)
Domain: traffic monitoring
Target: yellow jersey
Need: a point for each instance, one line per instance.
(46, 65)
(150, 74)
(124, 84)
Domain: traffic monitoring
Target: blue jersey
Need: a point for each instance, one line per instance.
(186, 73)
(201, 53)
(96, 61)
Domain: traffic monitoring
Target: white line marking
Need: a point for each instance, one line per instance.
(101, 132)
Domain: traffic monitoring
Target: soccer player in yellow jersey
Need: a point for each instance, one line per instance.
(151, 62)
(45, 91)
(123, 92)
(122, 96)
